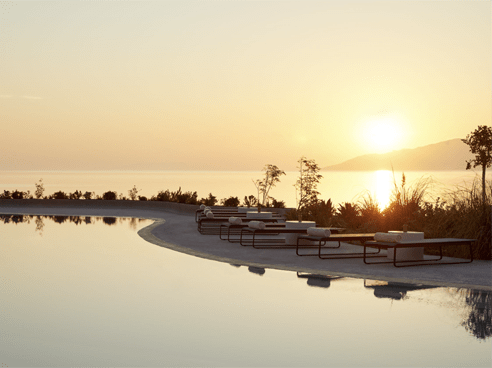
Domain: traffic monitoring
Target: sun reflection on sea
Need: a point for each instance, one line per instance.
(383, 181)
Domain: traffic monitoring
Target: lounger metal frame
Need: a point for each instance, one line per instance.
(424, 243)
(234, 229)
(362, 238)
(273, 243)
(215, 222)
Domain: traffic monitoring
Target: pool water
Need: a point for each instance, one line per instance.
(88, 291)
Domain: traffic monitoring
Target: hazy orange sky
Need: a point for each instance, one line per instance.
(220, 85)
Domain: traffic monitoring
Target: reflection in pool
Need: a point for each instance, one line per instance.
(99, 295)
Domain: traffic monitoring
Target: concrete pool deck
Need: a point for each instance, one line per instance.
(175, 228)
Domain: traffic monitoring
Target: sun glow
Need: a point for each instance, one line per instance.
(383, 181)
(383, 134)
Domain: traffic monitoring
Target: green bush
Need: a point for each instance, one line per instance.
(371, 218)
(109, 196)
(88, 195)
(211, 200)
(6, 195)
(275, 203)
(164, 196)
(461, 214)
(230, 202)
(16, 194)
(250, 201)
(76, 195)
(59, 195)
(322, 213)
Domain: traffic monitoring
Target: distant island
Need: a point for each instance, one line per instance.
(443, 156)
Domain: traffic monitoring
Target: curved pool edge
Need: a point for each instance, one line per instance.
(147, 235)
(161, 216)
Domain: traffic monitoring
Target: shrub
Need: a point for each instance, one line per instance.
(230, 202)
(177, 196)
(348, 216)
(276, 204)
(321, 212)
(460, 215)
(59, 195)
(405, 203)
(188, 198)
(16, 194)
(6, 195)
(76, 195)
(162, 196)
(109, 196)
(250, 201)
(371, 218)
(210, 201)
(88, 195)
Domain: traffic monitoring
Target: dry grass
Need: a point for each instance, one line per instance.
(460, 213)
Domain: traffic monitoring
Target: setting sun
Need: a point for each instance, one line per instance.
(383, 134)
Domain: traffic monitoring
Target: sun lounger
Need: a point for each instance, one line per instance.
(339, 238)
(235, 229)
(272, 243)
(227, 212)
(243, 215)
(216, 213)
(423, 243)
(211, 226)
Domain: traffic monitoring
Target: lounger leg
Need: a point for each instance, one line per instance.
(429, 261)
(363, 254)
(241, 239)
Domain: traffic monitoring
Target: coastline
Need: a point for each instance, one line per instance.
(174, 228)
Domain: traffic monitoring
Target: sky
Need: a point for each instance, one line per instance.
(235, 85)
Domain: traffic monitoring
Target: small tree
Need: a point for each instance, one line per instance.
(306, 185)
(480, 143)
(39, 189)
(272, 177)
(133, 193)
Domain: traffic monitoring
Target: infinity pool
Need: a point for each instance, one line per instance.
(88, 291)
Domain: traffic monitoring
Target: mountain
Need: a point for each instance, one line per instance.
(446, 156)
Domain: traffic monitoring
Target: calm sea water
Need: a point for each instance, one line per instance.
(86, 291)
(339, 186)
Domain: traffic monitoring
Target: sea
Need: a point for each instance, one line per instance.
(338, 186)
